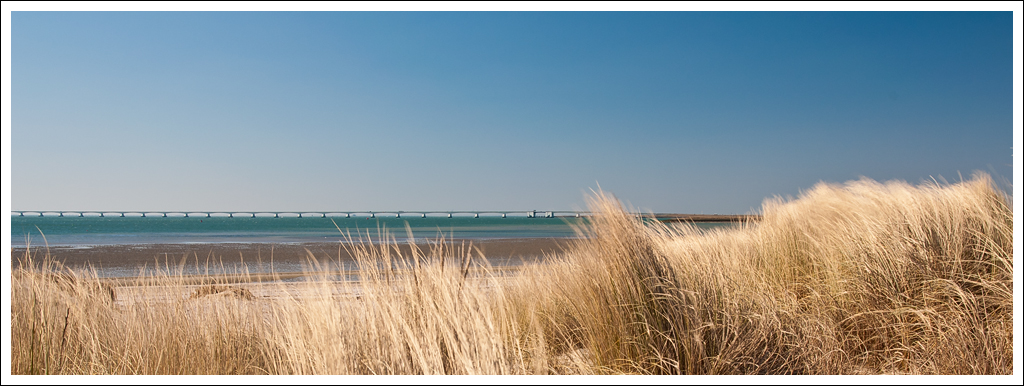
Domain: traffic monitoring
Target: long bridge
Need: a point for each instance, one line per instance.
(673, 217)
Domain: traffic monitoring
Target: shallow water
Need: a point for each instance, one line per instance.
(94, 230)
(123, 246)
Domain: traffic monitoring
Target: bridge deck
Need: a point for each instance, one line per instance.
(667, 217)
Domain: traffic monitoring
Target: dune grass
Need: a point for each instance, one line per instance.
(858, 278)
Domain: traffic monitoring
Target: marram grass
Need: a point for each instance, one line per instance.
(858, 278)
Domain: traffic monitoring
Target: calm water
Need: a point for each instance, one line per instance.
(97, 231)
(94, 230)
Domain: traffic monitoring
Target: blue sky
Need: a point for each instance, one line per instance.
(686, 112)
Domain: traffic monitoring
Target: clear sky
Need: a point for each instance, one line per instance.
(681, 112)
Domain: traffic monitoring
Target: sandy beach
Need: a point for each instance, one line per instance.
(124, 261)
(286, 257)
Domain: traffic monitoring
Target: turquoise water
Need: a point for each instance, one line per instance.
(73, 231)
(94, 230)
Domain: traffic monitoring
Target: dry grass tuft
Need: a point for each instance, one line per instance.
(863, 277)
(859, 277)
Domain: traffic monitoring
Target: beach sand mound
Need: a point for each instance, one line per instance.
(222, 290)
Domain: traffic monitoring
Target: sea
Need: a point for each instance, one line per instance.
(75, 231)
(87, 231)
(92, 231)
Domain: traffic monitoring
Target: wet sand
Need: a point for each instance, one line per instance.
(499, 252)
